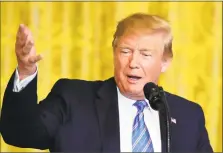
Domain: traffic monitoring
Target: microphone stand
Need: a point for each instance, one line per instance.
(165, 116)
(157, 100)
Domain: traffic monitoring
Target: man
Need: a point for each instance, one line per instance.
(102, 116)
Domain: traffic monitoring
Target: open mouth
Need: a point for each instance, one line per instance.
(133, 77)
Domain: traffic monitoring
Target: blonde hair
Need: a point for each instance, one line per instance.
(145, 24)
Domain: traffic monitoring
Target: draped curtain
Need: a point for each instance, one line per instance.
(75, 39)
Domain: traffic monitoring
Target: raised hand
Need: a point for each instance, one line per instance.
(25, 52)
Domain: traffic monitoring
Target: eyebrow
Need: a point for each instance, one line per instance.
(142, 49)
(124, 47)
(146, 50)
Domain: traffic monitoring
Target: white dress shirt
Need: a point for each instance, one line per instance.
(19, 85)
(127, 113)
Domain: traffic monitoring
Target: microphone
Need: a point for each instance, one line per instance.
(157, 101)
(152, 93)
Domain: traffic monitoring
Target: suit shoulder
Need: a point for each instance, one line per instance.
(66, 81)
(65, 84)
(181, 102)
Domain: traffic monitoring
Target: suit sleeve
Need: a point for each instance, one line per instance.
(25, 123)
(19, 85)
(203, 138)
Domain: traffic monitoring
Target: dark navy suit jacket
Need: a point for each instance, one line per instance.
(82, 116)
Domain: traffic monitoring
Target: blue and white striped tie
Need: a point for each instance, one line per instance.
(141, 140)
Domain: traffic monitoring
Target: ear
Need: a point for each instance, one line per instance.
(165, 63)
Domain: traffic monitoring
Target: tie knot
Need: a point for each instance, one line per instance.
(140, 104)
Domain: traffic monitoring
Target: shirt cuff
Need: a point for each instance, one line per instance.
(20, 84)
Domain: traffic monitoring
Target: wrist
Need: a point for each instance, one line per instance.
(26, 71)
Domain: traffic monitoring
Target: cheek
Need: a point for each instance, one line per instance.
(152, 68)
(120, 64)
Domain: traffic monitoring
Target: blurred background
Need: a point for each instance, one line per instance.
(75, 39)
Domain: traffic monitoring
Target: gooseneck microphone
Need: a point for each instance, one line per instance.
(157, 100)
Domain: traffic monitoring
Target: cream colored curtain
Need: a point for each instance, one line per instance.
(75, 40)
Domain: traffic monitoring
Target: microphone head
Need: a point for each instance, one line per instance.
(151, 92)
(148, 89)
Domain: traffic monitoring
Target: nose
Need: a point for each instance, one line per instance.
(134, 61)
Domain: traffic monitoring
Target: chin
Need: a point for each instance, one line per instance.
(133, 91)
(135, 87)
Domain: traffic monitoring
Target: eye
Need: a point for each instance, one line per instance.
(146, 54)
(125, 50)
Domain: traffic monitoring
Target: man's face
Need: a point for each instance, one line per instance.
(138, 59)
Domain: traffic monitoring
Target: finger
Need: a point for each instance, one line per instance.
(22, 34)
(25, 47)
(28, 47)
(21, 27)
(20, 31)
(23, 30)
(29, 39)
(20, 42)
(35, 59)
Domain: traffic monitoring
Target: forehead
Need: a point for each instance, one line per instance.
(137, 41)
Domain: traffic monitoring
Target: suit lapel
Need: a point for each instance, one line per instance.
(108, 115)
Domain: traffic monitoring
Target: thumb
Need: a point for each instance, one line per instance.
(34, 59)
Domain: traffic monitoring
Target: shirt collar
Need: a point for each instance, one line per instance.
(123, 98)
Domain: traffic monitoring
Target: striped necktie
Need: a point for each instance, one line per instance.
(141, 140)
